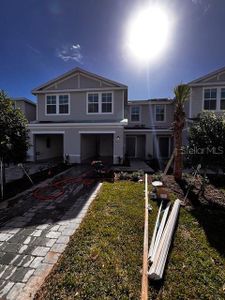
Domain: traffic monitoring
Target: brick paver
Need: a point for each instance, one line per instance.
(33, 236)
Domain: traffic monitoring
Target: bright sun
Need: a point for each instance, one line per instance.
(148, 33)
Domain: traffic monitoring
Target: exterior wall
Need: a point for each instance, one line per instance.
(29, 110)
(72, 139)
(78, 109)
(147, 118)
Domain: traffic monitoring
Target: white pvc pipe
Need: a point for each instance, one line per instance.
(160, 232)
(154, 232)
(157, 268)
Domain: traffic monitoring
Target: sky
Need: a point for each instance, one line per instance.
(42, 39)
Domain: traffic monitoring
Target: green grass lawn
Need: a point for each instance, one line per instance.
(104, 257)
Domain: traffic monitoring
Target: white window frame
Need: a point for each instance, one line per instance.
(57, 104)
(139, 113)
(221, 99)
(164, 119)
(100, 103)
(218, 91)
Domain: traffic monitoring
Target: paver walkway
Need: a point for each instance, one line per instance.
(34, 235)
(135, 165)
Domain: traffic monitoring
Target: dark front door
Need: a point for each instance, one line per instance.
(131, 146)
(164, 146)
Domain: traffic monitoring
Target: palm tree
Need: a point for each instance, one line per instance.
(182, 93)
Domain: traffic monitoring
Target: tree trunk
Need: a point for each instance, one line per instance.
(2, 171)
(178, 159)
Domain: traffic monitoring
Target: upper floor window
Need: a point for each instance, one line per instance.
(57, 104)
(93, 103)
(210, 96)
(222, 99)
(106, 102)
(63, 104)
(160, 113)
(100, 103)
(51, 104)
(135, 113)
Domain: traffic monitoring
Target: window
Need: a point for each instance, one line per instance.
(107, 102)
(93, 103)
(57, 104)
(222, 101)
(210, 96)
(99, 103)
(51, 104)
(135, 113)
(63, 104)
(160, 113)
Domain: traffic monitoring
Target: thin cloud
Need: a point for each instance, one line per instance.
(36, 51)
(205, 5)
(71, 52)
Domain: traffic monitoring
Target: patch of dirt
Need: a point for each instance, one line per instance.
(212, 196)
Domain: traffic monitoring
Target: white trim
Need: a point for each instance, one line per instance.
(218, 98)
(47, 132)
(77, 155)
(164, 113)
(100, 103)
(207, 84)
(80, 90)
(37, 110)
(140, 114)
(123, 112)
(57, 104)
(78, 81)
(72, 72)
(148, 130)
(80, 125)
(97, 132)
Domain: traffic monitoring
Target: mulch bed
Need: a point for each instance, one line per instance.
(213, 196)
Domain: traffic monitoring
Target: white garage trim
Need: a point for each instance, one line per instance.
(96, 132)
(48, 132)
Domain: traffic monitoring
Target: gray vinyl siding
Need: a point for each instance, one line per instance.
(147, 118)
(78, 109)
(30, 112)
(196, 101)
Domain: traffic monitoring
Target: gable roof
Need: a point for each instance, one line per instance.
(75, 71)
(24, 99)
(207, 76)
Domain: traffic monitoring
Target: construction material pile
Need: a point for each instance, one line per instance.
(162, 238)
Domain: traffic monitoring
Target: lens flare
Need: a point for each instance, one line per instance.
(148, 33)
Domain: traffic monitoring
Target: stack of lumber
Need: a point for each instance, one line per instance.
(161, 239)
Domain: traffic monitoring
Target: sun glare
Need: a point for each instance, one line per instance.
(148, 33)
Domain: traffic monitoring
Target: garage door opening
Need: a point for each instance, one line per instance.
(97, 147)
(48, 146)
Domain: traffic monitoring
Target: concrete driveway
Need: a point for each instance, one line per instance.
(33, 234)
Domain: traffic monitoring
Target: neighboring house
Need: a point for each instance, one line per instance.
(207, 94)
(85, 116)
(149, 132)
(27, 107)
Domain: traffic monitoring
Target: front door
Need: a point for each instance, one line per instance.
(164, 146)
(131, 146)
